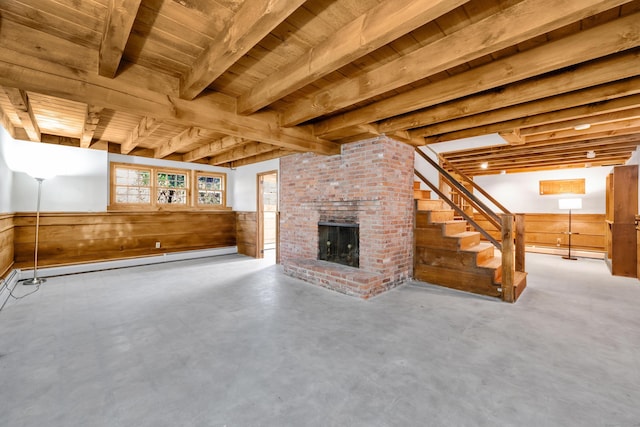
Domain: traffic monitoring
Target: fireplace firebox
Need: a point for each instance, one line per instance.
(339, 243)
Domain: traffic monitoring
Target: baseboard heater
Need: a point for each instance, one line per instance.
(129, 262)
(9, 283)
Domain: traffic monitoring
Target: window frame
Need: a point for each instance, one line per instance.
(223, 176)
(191, 188)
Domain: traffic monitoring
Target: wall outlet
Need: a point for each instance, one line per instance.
(157, 245)
(558, 241)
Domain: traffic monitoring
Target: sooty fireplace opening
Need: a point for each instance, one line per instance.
(339, 243)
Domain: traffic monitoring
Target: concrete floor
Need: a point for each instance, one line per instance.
(231, 341)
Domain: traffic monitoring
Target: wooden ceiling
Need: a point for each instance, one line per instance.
(232, 82)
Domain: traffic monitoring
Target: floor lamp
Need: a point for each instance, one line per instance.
(570, 204)
(36, 280)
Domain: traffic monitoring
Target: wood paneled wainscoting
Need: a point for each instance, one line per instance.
(247, 226)
(550, 231)
(71, 238)
(6, 243)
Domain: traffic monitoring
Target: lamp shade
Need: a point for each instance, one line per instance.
(570, 203)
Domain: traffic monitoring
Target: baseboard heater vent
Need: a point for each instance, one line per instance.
(129, 262)
(7, 286)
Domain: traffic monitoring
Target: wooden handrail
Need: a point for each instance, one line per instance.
(457, 208)
(466, 194)
(470, 181)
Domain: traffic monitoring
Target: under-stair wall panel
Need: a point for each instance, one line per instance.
(550, 230)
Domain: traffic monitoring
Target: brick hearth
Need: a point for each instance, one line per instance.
(370, 183)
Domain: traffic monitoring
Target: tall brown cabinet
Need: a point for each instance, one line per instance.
(622, 208)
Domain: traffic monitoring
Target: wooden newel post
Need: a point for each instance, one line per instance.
(520, 242)
(508, 258)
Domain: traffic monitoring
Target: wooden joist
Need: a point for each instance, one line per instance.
(576, 48)
(525, 20)
(146, 127)
(556, 118)
(215, 147)
(91, 121)
(121, 15)
(247, 150)
(20, 101)
(178, 142)
(210, 112)
(370, 31)
(447, 130)
(254, 20)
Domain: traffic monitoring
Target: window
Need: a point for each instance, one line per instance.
(132, 185)
(171, 188)
(144, 187)
(210, 189)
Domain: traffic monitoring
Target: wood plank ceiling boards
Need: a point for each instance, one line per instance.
(236, 82)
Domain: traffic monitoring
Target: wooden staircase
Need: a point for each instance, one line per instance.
(448, 254)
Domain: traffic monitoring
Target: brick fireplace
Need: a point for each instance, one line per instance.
(369, 185)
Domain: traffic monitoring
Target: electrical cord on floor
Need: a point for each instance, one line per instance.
(25, 295)
(6, 285)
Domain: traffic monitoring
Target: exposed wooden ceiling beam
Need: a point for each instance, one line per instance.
(592, 73)
(512, 137)
(253, 21)
(446, 131)
(145, 128)
(583, 46)
(7, 125)
(215, 112)
(550, 118)
(212, 148)
(537, 90)
(616, 126)
(631, 128)
(631, 113)
(526, 19)
(20, 102)
(91, 120)
(552, 152)
(488, 153)
(275, 154)
(247, 150)
(120, 17)
(178, 142)
(377, 27)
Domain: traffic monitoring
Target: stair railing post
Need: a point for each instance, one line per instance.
(520, 242)
(508, 258)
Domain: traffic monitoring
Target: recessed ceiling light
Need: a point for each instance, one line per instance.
(583, 126)
(484, 165)
(591, 154)
(503, 172)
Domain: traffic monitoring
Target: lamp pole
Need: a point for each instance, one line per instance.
(36, 280)
(569, 255)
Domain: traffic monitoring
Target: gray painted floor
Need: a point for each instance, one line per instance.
(231, 341)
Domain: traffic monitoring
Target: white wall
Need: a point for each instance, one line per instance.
(519, 192)
(6, 175)
(450, 146)
(79, 182)
(245, 184)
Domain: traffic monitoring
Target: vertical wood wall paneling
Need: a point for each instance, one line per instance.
(246, 233)
(6, 243)
(70, 238)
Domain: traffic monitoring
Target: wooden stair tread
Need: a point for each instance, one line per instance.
(479, 247)
(495, 262)
(464, 234)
